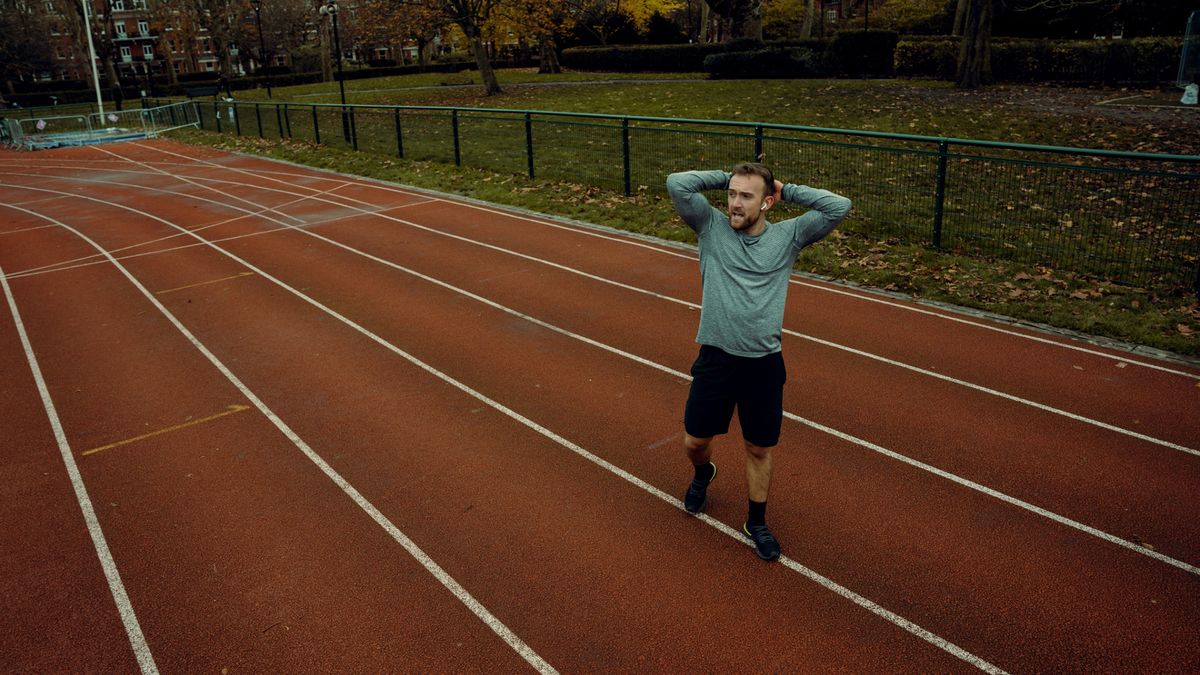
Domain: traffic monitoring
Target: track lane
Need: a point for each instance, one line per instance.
(215, 530)
(60, 614)
(863, 637)
(1117, 407)
(1132, 530)
(323, 257)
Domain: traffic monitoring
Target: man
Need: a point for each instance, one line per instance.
(745, 265)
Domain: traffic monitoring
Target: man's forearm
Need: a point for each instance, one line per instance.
(685, 189)
(828, 203)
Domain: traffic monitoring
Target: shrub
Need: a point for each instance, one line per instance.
(773, 61)
(640, 58)
(927, 58)
(1140, 60)
(868, 53)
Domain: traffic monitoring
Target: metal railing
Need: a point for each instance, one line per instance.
(86, 128)
(1133, 218)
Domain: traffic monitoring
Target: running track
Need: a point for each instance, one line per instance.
(265, 418)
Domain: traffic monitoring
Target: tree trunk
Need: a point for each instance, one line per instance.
(704, 34)
(960, 13)
(549, 56)
(168, 66)
(423, 47)
(810, 10)
(326, 61)
(747, 20)
(491, 85)
(974, 56)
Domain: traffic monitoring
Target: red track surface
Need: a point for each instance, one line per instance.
(355, 376)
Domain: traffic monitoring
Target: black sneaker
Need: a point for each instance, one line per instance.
(765, 544)
(697, 493)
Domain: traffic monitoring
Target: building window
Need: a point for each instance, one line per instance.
(143, 27)
(139, 4)
(148, 52)
(209, 66)
(120, 26)
(126, 54)
(118, 5)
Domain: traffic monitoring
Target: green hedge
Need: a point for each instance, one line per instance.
(1140, 60)
(862, 53)
(641, 58)
(773, 61)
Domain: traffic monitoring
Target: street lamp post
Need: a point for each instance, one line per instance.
(262, 50)
(330, 8)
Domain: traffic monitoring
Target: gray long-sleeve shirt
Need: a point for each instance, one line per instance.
(744, 278)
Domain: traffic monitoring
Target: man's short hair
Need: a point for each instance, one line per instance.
(760, 170)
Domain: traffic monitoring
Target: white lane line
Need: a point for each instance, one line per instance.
(133, 630)
(899, 364)
(825, 582)
(73, 263)
(965, 482)
(860, 295)
(630, 241)
(498, 627)
(25, 229)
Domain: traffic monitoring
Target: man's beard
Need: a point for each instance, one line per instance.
(744, 224)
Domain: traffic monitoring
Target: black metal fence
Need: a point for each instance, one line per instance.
(1130, 217)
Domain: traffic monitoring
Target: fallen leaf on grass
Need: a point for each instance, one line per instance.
(1184, 329)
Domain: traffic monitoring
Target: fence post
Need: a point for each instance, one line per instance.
(237, 117)
(758, 153)
(529, 142)
(353, 131)
(258, 118)
(625, 155)
(399, 134)
(316, 126)
(457, 151)
(217, 116)
(279, 120)
(287, 120)
(939, 199)
(171, 110)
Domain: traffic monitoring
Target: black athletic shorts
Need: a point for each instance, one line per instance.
(721, 381)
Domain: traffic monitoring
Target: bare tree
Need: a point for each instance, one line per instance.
(745, 15)
(23, 47)
(472, 17)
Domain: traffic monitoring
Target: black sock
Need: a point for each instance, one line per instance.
(705, 471)
(758, 513)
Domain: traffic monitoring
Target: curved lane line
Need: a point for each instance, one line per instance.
(861, 601)
(137, 641)
(787, 331)
(517, 644)
(1064, 520)
(585, 230)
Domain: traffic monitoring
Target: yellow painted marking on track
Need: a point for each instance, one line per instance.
(236, 408)
(204, 283)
